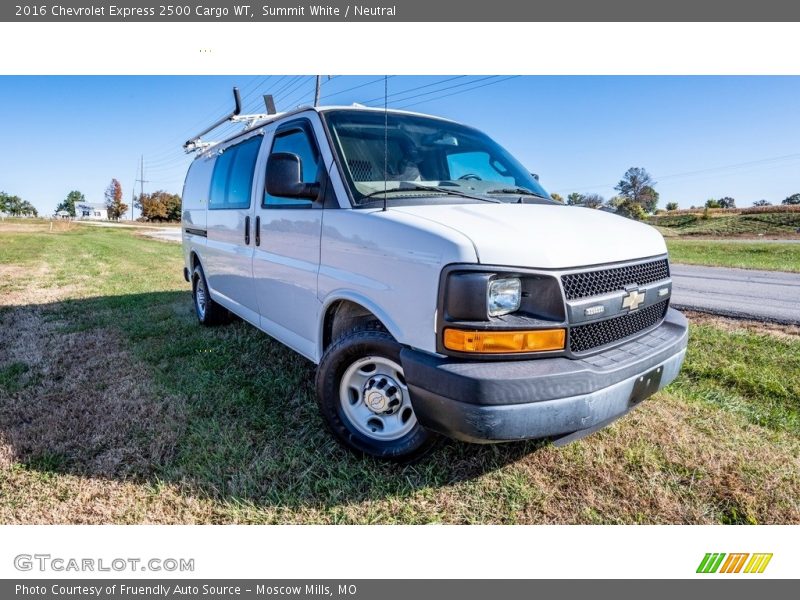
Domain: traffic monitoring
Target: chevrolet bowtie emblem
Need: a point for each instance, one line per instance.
(632, 299)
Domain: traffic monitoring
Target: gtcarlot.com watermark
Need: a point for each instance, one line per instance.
(58, 564)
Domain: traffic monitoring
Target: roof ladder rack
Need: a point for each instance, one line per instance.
(196, 143)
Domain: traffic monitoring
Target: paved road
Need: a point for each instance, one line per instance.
(168, 234)
(761, 295)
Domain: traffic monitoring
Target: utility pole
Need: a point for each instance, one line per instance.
(140, 181)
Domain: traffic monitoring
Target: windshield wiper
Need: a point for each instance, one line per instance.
(413, 187)
(517, 191)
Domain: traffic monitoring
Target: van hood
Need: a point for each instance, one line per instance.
(544, 236)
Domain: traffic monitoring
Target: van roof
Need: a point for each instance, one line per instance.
(262, 120)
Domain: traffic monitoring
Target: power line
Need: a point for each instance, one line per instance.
(380, 99)
(458, 85)
(460, 91)
(356, 87)
(710, 170)
(247, 90)
(297, 98)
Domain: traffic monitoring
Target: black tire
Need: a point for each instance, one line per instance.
(359, 345)
(208, 312)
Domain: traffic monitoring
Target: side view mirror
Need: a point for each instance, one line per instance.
(285, 177)
(535, 176)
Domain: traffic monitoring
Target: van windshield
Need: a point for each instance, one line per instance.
(412, 154)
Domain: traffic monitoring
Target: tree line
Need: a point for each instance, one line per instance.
(638, 198)
(728, 202)
(159, 206)
(16, 207)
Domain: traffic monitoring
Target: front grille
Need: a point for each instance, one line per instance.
(583, 338)
(603, 281)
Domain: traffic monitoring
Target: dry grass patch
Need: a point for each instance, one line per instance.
(740, 325)
(668, 462)
(79, 401)
(27, 285)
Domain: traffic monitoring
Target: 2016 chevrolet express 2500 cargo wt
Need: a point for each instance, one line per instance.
(437, 286)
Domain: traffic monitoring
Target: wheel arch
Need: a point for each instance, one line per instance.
(194, 259)
(343, 311)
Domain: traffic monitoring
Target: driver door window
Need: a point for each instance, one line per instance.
(295, 141)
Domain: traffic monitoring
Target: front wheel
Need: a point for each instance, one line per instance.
(364, 399)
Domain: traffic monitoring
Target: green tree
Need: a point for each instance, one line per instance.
(113, 195)
(575, 199)
(557, 197)
(16, 207)
(68, 204)
(632, 210)
(672, 206)
(762, 203)
(712, 203)
(637, 186)
(727, 202)
(793, 199)
(28, 210)
(5, 203)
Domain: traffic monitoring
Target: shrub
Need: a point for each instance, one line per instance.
(783, 208)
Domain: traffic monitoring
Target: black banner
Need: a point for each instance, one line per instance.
(403, 11)
(396, 589)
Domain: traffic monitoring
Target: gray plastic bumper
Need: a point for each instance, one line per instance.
(502, 401)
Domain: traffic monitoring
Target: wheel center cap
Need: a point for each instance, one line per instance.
(377, 402)
(382, 395)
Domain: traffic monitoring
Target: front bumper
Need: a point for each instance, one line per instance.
(550, 397)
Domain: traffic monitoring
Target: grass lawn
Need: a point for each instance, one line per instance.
(769, 256)
(116, 407)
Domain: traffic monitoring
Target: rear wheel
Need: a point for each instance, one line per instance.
(208, 312)
(364, 398)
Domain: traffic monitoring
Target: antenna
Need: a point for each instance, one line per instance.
(385, 137)
(317, 90)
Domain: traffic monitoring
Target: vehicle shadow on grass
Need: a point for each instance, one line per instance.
(131, 388)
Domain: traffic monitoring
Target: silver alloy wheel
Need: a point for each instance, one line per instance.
(375, 399)
(200, 297)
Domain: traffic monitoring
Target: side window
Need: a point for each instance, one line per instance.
(479, 164)
(297, 141)
(232, 179)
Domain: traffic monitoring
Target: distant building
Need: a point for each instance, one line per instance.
(62, 214)
(91, 211)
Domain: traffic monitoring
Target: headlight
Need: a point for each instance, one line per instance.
(504, 296)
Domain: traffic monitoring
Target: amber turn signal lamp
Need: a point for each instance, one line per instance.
(498, 342)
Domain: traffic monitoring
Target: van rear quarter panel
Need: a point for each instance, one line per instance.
(195, 204)
(390, 263)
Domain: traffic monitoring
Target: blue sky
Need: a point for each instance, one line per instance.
(700, 137)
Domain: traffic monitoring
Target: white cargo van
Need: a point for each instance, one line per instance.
(434, 282)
